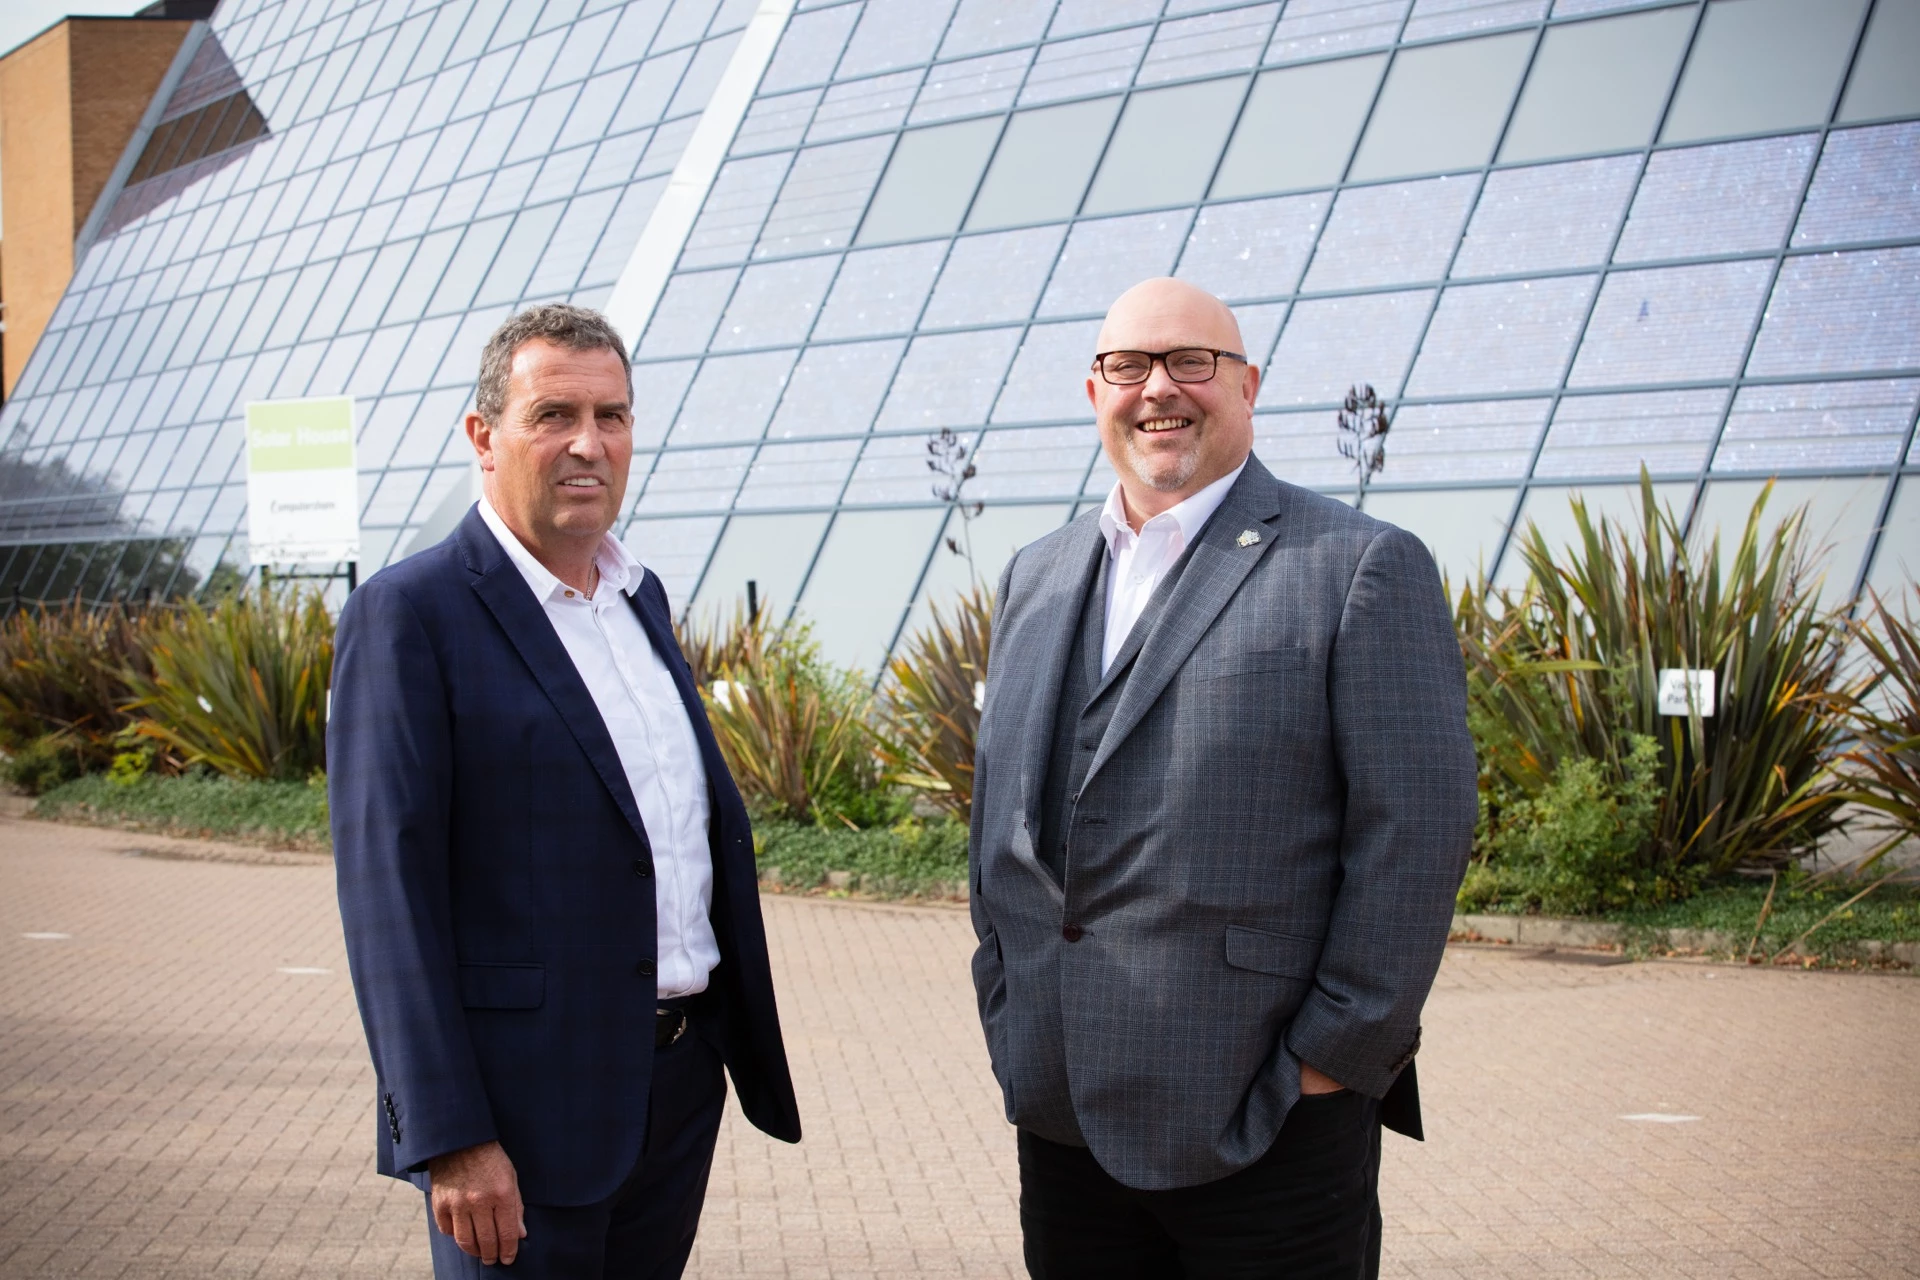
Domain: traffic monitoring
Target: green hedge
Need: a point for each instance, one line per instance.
(208, 806)
(909, 859)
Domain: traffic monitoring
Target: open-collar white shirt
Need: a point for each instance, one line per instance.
(1138, 561)
(653, 736)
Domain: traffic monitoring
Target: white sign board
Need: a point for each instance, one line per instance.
(1686, 691)
(303, 489)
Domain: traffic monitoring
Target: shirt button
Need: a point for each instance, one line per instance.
(642, 868)
(644, 968)
(1072, 933)
(569, 595)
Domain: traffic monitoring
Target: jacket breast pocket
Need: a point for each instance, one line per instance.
(503, 986)
(1285, 955)
(1253, 662)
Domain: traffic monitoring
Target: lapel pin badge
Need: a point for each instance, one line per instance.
(1247, 538)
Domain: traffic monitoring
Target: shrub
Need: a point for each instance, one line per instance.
(929, 713)
(908, 857)
(65, 669)
(720, 641)
(1882, 765)
(38, 766)
(1567, 668)
(241, 687)
(199, 804)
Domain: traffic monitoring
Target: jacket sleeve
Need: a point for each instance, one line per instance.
(389, 794)
(989, 971)
(1397, 688)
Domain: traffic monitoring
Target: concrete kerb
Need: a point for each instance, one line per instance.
(1549, 931)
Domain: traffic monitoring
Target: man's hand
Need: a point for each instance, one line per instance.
(1311, 1082)
(476, 1200)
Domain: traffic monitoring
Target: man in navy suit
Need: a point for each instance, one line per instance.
(545, 871)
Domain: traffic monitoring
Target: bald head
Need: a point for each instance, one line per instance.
(1168, 439)
(1164, 313)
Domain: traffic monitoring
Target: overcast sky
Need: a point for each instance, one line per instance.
(21, 20)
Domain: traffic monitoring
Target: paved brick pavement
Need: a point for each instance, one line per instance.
(177, 1098)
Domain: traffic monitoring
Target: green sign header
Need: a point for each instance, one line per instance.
(300, 435)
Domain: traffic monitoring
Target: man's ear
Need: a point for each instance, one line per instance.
(1092, 399)
(1250, 384)
(480, 435)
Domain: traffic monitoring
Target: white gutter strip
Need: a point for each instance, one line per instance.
(638, 290)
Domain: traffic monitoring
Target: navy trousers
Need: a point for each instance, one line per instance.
(644, 1231)
(1307, 1210)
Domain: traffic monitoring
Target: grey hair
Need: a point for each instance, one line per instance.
(575, 328)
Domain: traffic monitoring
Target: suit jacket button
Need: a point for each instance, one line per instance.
(642, 868)
(1072, 933)
(644, 968)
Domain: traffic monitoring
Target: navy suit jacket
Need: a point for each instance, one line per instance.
(496, 882)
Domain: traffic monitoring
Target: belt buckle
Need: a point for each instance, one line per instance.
(679, 1029)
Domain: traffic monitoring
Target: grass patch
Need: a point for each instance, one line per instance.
(911, 859)
(1890, 913)
(279, 815)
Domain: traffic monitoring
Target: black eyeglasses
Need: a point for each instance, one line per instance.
(1185, 364)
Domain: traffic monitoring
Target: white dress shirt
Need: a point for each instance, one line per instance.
(1138, 561)
(653, 736)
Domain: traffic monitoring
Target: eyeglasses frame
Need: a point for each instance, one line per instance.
(1100, 364)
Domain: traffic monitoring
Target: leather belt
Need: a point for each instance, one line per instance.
(668, 1026)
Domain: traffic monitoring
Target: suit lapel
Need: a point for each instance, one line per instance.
(507, 596)
(1055, 614)
(1219, 564)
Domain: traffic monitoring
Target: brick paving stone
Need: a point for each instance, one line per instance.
(173, 1104)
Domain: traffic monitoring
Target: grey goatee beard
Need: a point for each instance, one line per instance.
(1157, 471)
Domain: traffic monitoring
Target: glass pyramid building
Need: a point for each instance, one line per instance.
(1563, 238)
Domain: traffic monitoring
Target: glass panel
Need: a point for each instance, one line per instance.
(893, 469)
(1033, 462)
(979, 84)
(836, 390)
(657, 392)
(1316, 28)
(1104, 259)
(774, 304)
(1840, 518)
(694, 480)
(929, 181)
(995, 535)
(1598, 86)
(676, 551)
(702, 77)
(1092, 64)
(1298, 127)
(1883, 83)
(731, 398)
(1816, 426)
(1673, 324)
(880, 290)
(1442, 106)
(773, 551)
(1763, 65)
(1551, 511)
(1391, 234)
(1501, 337)
(1438, 443)
(810, 473)
(993, 277)
(1209, 45)
(1842, 311)
(736, 205)
(894, 33)
(623, 229)
(1166, 145)
(1043, 164)
(1254, 249)
(1330, 344)
(1866, 188)
(1560, 215)
(1432, 18)
(572, 244)
(947, 380)
(532, 232)
(774, 124)
(1667, 431)
(1076, 16)
(858, 590)
(469, 264)
(1896, 565)
(1303, 449)
(687, 312)
(1461, 528)
(979, 25)
(823, 197)
(809, 48)
(1048, 381)
(1735, 197)
(864, 106)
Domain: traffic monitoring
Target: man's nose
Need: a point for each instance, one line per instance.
(585, 442)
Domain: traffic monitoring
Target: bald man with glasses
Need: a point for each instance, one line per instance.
(1223, 798)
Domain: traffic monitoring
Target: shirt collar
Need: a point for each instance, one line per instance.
(618, 567)
(1187, 517)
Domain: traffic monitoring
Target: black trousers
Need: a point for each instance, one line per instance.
(1307, 1210)
(644, 1230)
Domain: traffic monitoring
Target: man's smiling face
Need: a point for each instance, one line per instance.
(1168, 440)
(555, 464)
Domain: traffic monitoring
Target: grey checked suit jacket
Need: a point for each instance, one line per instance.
(1263, 858)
